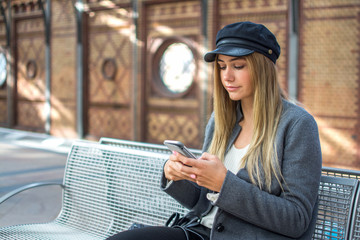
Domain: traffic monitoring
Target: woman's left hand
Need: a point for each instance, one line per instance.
(207, 171)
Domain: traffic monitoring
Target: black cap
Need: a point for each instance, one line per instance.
(243, 38)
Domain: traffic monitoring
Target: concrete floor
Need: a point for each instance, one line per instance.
(26, 159)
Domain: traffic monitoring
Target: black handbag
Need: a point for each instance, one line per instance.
(175, 221)
(186, 223)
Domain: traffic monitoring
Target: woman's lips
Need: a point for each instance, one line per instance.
(231, 88)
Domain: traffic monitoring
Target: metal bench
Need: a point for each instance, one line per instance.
(106, 189)
(111, 184)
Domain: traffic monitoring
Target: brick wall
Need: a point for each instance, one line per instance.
(328, 70)
(329, 76)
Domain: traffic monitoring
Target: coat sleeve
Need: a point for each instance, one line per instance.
(183, 191)
(287, 212)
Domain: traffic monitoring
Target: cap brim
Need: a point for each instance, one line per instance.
(227, 50)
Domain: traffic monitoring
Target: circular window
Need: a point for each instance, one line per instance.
(3, 70)
(109, 68)
(177, 68)
(31, 69)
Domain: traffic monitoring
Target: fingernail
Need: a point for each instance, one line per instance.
(193, 176)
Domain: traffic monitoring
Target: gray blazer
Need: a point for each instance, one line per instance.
(245, 211)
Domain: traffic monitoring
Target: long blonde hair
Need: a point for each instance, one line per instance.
(267, 111)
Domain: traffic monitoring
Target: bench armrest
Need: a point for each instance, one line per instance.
(26, 187)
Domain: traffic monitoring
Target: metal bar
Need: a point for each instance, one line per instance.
(205, 81)
(135, 17)
(79, 9)
(48, 66)
(47, 23)
(9, 79)
(293, 49)
(26, 187)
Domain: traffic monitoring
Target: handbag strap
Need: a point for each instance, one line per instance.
(173, 220)
(187, 229)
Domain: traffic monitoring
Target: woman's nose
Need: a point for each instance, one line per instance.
(228, 75)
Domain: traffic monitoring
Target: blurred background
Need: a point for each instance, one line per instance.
(134, 69)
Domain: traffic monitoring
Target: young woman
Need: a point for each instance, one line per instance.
(259, 175)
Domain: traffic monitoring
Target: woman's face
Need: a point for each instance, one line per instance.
(235, 77)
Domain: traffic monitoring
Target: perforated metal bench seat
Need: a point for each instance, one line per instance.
(106, 189)
(54, 230)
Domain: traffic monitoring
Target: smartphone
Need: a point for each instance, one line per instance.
(179, 147)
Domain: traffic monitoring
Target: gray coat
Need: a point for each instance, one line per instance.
(245, 211)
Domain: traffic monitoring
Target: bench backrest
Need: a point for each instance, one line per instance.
(336, 198)
(142, 146)
(353, 174)
(108, 188)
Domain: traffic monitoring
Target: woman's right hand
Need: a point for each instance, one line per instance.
(173, 168)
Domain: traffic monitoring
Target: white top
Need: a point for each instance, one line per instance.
(232, 162)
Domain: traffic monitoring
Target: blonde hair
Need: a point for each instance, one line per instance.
(267, 111)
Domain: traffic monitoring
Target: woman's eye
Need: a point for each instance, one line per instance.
(222, 67)
(239, 67)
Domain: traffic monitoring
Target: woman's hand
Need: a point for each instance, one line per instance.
(173, 168)
(207, 171)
